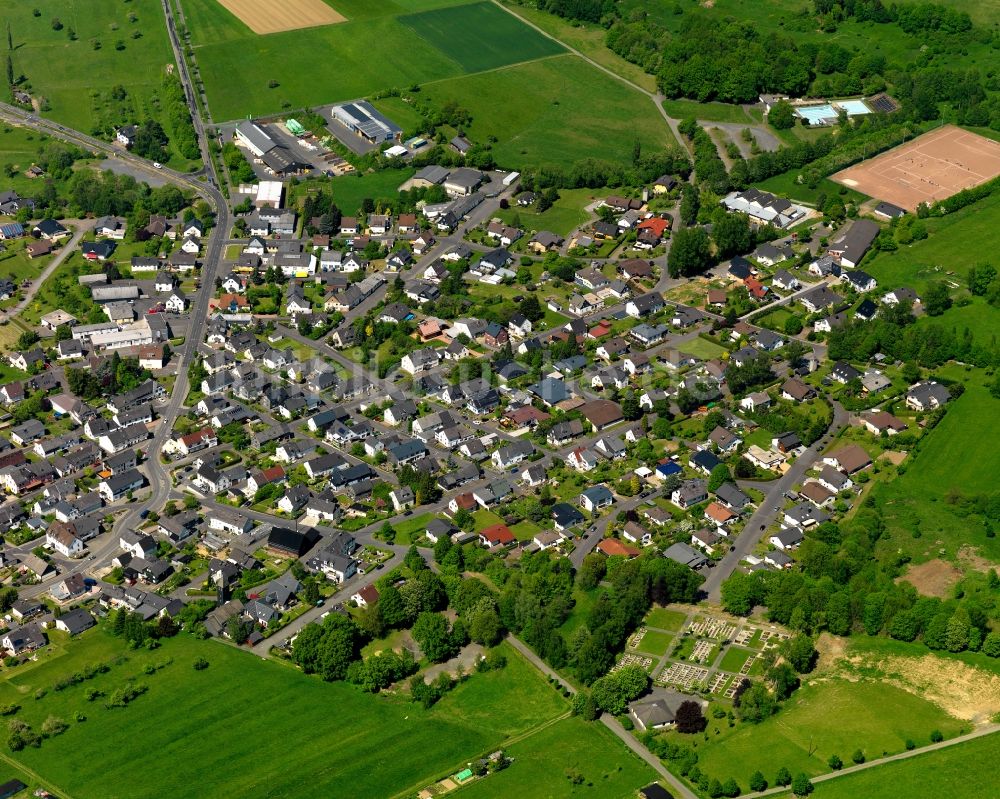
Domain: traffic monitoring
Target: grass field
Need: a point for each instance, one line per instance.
(787, 185)
(332, 740)
(557, 112)
(712, 112)
(957, 455)
(349, 191)
(564, 215)
(735, 658)
(665, 619)
(955, 772)
(587, 39)
(700, 348)
(19, 148)
(70, 73)
(821, 719)
(547, 763)
(386, 45)
(480, 36)
(655, 643)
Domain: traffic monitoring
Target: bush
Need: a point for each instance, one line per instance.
(54, 725)
(936, 736)
(835, 763)
(200, 664)
(858, 756)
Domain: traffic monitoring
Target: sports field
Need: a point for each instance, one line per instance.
(931, 167)
(381, 46)
(260, 16)
(248, 727)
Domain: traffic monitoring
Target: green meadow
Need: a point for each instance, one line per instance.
(246, 726)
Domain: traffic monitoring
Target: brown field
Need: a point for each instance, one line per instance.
(931, 167)
(933, 578)
(262, 16)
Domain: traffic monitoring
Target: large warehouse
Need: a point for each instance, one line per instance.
(362, 118)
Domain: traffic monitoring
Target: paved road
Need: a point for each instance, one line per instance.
(770, 506)
(68, 248)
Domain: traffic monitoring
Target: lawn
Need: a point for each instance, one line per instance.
(19, 149)
(526, 530)
(350, 190)
(411, 528)
(583, 602)
(665, 619)
(567, 759)
(710, 112)
(655, 643)
(480, 36)
(555, 112)
(194, 725)
(484, 518)
(787, 185)
(564, 215)
(402, 113)
(381, 46)
(956, 772)
(955, 456)
(703, 349)
(735, 658)
(822, 719)
(75, 75)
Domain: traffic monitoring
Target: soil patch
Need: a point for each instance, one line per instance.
(933, 578)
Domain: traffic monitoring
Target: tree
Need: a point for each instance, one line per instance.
(800, 653)
(781, 116)
(783, 680)
(720, 474)
(484, 623)
(431, 631)
(592, 571)
(690, 204)
(758, 782)
(732, 233)
(835, 763)
(793, 326)
(801, 785)
(690, 252)
(27, 339)
(756, 704)
(937, 298)
(630, 406)
(858, 756)
(741, 593)
(730, 788)
(531, 308)
(689, 718)
(783, 777)
(614, 691)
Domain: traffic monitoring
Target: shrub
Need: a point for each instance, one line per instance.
(54, 725)
(200, 664)
(936, 736)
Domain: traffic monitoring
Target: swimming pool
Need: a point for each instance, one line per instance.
(826, 113)
(818, 114)
(854, 107)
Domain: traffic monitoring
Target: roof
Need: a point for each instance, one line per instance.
(601, 412)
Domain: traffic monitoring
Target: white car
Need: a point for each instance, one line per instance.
(157, 165)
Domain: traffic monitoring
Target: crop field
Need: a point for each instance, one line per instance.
(381, 46)
(192, 727)
(99, 44)
(549, 762)
(259, 16)
(959, 455)
(480, 36)
(929, 168)
(557, 112)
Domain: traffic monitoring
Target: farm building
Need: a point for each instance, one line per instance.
(362, 118)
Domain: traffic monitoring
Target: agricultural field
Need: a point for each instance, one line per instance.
(955, 772)
(379, 746)
(387, 45)
(549, 116)
(568, 758)
(480, 36)
(99, 44)
(923, 516)
(587, 39)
